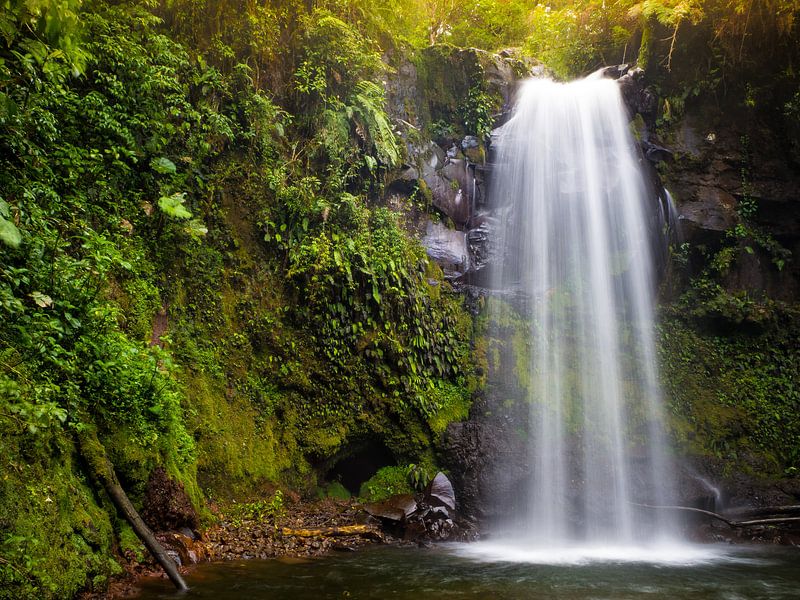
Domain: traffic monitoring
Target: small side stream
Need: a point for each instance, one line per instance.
(453, 571)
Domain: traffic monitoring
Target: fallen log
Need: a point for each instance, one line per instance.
(330, 531)
(103, 471)
(726, 520)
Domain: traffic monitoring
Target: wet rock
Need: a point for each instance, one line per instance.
(711, 209)
(448, 248)
(485, 249)
(655, 153)
(404, 181)
(396, 508)
(469, 142)
(175, 556)
(440, 493)
(449, 197)
(639, 98)
(430, 157)
(429, 523)
(444, 178)
(487, 456)
(733, 490)
(457, 171)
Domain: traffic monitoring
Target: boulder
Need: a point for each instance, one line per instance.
(430, 516)
(447, 248)
(397, 508)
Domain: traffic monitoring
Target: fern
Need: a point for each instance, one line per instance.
(368, 111)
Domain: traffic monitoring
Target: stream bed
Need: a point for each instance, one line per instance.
(491, 571)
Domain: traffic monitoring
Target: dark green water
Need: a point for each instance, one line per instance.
(446, 572)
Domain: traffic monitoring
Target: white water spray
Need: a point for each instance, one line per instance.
(578, 248)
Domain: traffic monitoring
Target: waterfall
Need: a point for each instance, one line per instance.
(578, 249)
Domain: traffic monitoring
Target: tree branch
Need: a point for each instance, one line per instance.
(727, 521)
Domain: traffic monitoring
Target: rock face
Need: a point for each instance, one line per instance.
(719, 165)
(706, 482)
(712, 161)
(710, 170)
(453, 172)
(435, 87)
(487, 456)
(449, 171)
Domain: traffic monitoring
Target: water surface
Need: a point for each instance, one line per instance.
(466, 571)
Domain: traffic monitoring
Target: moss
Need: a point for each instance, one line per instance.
(454, 402)
(477, 155)
(505, 342)
(637, 126)
(734, 395)
(233, 450)
(140, 303)
(334, 490)
(129, 542)
(646, 45)
(55, 536)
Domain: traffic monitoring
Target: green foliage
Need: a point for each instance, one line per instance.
(477, 112)
(173, 206)
(265, 510)
(48, 35)
(342, 108)
(365, 290)
(791, 114)
(9, 233)
(572, 53)
(419, 476)
(387, 482)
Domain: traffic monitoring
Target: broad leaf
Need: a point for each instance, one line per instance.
(173, 206)
(163, 165)
(9, 233)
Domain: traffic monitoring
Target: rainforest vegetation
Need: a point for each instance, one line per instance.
(200, 267)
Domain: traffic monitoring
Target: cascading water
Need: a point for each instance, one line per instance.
(578, 250)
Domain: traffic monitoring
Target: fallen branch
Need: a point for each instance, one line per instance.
(102, 470)
(330, 531)
(727, 521)
(766, 511)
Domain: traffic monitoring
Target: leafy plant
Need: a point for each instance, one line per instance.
(173, 206)
(387, 482)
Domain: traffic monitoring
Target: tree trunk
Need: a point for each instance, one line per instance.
(102, 470)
